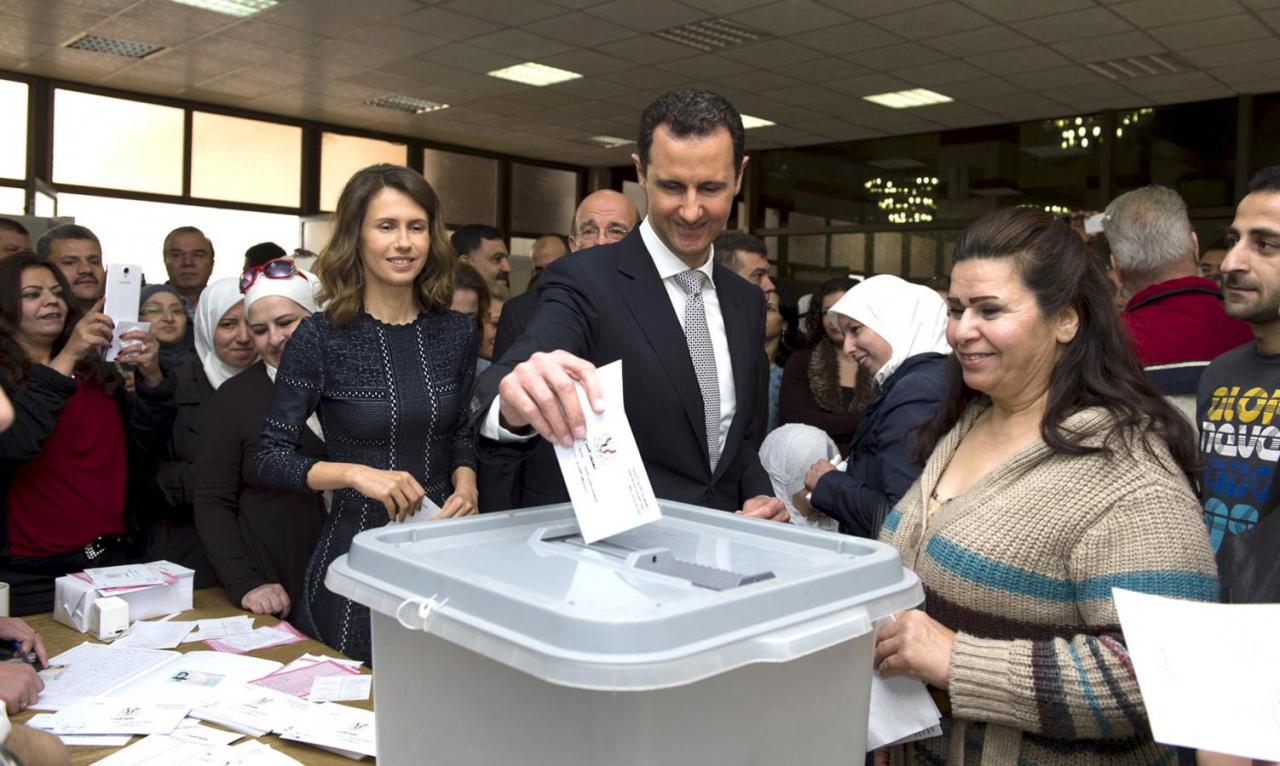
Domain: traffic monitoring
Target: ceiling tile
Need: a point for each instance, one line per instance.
(710, 65)
(1017, 10)
(313, 17)
(62, 31)
(1271, 19)
(805, 95)
(184, 20)
(194, 69)
(1268, 85)
(847, 38)
(1091, 92)
(776, 52)
(649, 50)
(512, 12)
(869, 85)
(1250, 72)
(1020, 60)
(893, 57)
(957, 115)
(579, 29)
(644, 77)
(1260, 5)
(1107, 47)
(1052, 78)
(443, 22)
(646, 15)
(144, 32)
(761, 80)
(1159, 13)
(987, 86)
(979, 41)
(1073, 26)
(220, 48)
(590, 88)
(586, 62)
(274, 36)
(940, 73)
(932, 20)
(518, 42)
(789, 17)
(1244, 52)
(725, 7)
(470, 58)
(1026, 103)
(20, 48)
(1172, 82)
(1221, 31)
(345, 51)
(822, 70)
(406, 42)
(867, 9)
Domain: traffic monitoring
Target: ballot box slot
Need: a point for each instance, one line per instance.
(661, 561)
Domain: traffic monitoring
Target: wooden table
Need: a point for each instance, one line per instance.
(208, 603)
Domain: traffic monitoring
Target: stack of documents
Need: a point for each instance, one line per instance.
(152, 590)
(298, 677)
(341, 728)
(220, 627)
(262, 638)
(161, 749)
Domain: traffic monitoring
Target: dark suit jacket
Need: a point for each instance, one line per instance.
(516, 314)
(608, 303)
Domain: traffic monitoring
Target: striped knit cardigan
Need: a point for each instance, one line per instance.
(1021, 567)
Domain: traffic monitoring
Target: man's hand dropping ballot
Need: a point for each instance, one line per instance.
(602, 469)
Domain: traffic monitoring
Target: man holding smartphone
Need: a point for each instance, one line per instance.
(77, 253)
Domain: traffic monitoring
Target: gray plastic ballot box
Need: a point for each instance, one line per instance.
(703, 638)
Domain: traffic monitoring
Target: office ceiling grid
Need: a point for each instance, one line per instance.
(1001, 60)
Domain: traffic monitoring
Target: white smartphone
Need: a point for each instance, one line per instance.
(124, 292)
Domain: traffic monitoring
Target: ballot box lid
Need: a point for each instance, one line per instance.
(694, 594)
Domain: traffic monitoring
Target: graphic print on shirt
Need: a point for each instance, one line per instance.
(1240, 444)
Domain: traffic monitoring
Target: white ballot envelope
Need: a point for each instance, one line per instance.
(603, 472)
(122, 327)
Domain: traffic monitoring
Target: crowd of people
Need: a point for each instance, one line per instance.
(1024, 443)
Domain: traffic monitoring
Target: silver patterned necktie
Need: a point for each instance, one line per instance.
(704, 358)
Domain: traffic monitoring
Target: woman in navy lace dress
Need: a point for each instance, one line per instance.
(388, 368)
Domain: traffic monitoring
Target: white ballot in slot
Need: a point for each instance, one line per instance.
(1199, 691)
(603, 472)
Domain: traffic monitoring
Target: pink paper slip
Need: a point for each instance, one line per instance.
(275, 635)
(298, 682)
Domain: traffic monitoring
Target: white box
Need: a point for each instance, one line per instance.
(661, 645)
(73, 598)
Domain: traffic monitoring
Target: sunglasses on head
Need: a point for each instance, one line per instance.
(280, 268)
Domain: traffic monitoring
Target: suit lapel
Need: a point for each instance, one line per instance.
(646, 297)
(739, 338)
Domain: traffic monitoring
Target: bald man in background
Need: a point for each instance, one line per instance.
(603, 217)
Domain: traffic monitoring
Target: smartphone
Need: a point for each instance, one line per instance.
(124, 292)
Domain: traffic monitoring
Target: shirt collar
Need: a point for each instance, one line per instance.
(667, 262)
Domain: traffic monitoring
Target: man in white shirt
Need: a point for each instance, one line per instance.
(689, 332)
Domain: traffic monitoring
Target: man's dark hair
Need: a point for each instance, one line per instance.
(691, 114)
(466, 239)
(1265, 180)
(187, 230)
(8, 224)
(44, 245)
(731, 242)
(263, 252)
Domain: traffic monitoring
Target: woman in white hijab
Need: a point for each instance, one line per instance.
(223, 350)
(259, 538)
(896, 332)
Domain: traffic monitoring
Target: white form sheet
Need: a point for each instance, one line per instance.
(603, 472)
(127, 576)
(112, 715)
(89, 670)
(220, 627)
(155, 635)
(1209, 673)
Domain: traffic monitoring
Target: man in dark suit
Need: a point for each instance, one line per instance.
(689, 332)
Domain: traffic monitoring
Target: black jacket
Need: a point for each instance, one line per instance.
(608, 303)
(880, 470)
(37, 404)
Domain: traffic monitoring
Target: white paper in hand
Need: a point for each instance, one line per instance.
(604, 474)
(900, 708)
(122, 327)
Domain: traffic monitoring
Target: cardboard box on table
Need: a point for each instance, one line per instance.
(74, 597)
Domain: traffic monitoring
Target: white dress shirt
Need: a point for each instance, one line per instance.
(668, 265)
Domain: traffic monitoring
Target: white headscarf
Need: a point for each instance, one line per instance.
(911, 318)
(301, 288)
(217, 299)
(786, 454)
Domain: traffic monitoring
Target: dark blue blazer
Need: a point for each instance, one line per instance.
(608, 303)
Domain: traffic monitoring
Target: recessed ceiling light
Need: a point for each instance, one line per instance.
(608, 142)
(749, 122)
(407, 104)
(712, 34)
(231, 7)
(531, 73)
(906, 99)
(130, 49)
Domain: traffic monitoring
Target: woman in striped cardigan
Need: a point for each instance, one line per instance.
(1054, 473)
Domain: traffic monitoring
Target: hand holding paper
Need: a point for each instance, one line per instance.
(543, 393)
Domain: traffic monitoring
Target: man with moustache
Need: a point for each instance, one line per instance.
(77, 253)
(483, 248)
(188, 257)
(688, 331)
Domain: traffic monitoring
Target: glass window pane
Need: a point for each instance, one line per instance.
(542, 199)
(887, 250)
(13, 129)
(849, 251)
(1174, 147)
(923, 254)
(133, 232)
(116, 143)
(245, 160)
(1266, 132)
(12, 200)
(467, 185)
(341, 156)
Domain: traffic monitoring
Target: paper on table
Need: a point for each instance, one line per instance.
(157, 750)
(275, 635)
(121, 327)
(251, 709)
(110, 715)
(44, 721)
(191, 730)
(900, 707)
(195, 677)
(307, 659)
(335, 726)
(298, 681)
(340, 688)
(88, 670)
(1227, 701)
(603, 472)
(155, 635)
(220, 627)
(253, 753)
(127, 576)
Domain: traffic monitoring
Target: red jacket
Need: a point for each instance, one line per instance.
(1181, 321)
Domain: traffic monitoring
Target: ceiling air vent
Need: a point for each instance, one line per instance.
(1139, 66)
(129, 49)
(711, 35)
(407, 104)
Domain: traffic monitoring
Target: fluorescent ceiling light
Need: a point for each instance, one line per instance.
(608, 142)
(905, 99)
(531, 73)
(130, 49)
(407, 104)
(749, 122)
(231, 7)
